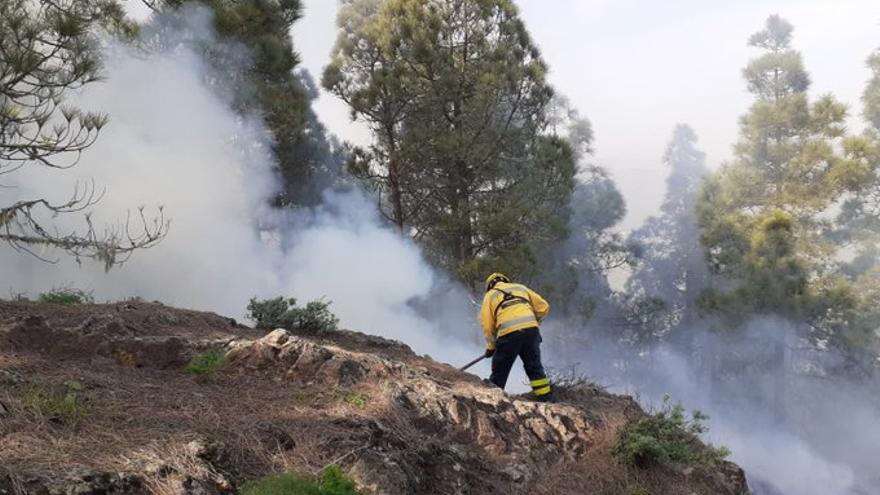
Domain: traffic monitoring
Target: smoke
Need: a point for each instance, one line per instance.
(174, 142)
(794, 429)
(799, 419)
(381, 281)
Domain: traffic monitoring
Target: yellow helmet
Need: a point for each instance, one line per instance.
(494, 279)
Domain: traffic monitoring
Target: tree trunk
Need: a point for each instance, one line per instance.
(394, 176)
(465, 234)
(395, 192)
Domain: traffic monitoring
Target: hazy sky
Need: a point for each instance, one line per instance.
(638, 67)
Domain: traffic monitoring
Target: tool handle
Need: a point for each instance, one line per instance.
(475, 361)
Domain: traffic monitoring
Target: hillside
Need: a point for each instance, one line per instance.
(95, 399)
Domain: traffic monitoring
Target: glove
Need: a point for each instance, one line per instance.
(489, 353)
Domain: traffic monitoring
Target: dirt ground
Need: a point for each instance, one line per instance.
(396, 422)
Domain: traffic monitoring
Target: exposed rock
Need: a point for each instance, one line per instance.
(11, 378)
(107, 324)
(277, 337)
(515, 436)
(395, 422)
(79, 482)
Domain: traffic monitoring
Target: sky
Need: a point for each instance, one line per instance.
(636, 68)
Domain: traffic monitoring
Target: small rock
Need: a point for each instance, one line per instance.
(82, 482)
(4, 411)
(103, 324)
(515, 473)
(687, 471)
(277, 337)
(11, 378)
(348, 372)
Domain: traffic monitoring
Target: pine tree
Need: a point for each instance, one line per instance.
(456, 96)
(368, 71)
(573, 272)
(859, 219)
(762, 213)
(47, 50)
(871, 96)
(673, 272)
(858, 222)
(267, 84)
(768, 227)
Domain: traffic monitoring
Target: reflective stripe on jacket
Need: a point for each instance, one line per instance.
(525, 309)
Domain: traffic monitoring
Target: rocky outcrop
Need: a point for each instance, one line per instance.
(514, 436)
(196, 476)
(73, 482)
(471, 426)
(396, 422)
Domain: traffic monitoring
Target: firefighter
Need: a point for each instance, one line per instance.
(510, 316)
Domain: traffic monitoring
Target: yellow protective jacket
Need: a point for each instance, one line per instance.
(523, 308)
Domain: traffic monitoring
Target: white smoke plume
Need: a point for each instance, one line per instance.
(793, 430)
(173, 141)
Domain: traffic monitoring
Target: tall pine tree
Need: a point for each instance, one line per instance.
(858, 221)
(673, 273)
(265, 82)
(456, 95)
(574, 271)
(764, 214)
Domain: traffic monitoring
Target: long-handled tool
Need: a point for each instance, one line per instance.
(475, 361)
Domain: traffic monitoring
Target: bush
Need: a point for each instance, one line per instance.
(354, 399)
(66, 295)
(332, 481)
(59, 403)
(668, 436)
(284, 313)
(205, 363)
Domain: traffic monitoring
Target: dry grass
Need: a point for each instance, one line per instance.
(601, 472)
(167, 464)
(140, 420)
(267, 425)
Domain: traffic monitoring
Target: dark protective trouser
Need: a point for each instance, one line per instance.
(527, 345)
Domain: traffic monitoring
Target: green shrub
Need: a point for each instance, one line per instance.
(73, 385)
(332, 481)
(66, 295)
(668, 436)
(59, 403)
(205, 363)
(355, 399)
(168, 318)
(268, 313)
(284, 313)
